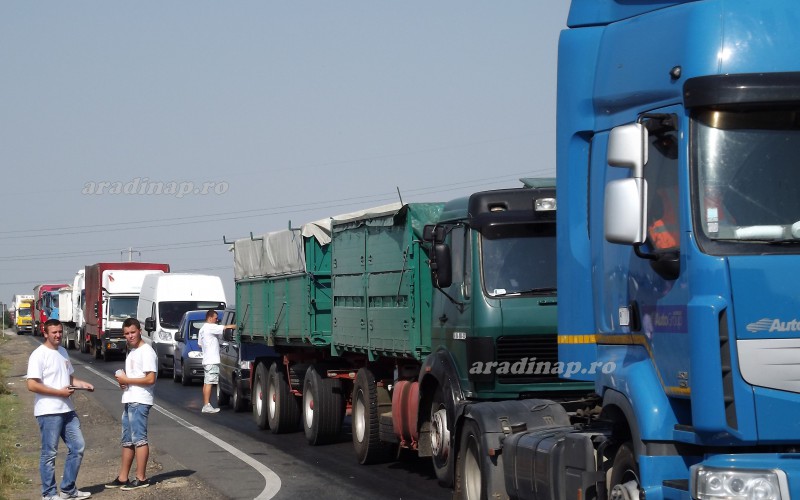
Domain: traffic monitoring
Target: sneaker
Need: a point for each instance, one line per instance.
(209, 409)
(53, 497)
(116, 483)
(75, 494)
(136, 484)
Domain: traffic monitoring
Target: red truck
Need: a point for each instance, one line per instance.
(112, 294)
(39, 313)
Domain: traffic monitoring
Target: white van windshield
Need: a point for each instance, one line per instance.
(170, 313)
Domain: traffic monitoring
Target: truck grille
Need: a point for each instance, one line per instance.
(515, 350)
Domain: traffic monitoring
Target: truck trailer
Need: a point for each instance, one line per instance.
(421, 320)
(111, 296)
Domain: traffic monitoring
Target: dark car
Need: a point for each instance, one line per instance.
(187, 364)
(236, 359)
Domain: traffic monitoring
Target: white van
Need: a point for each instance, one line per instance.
(162, 302)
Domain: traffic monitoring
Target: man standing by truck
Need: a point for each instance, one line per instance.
(50, 377)
(209, 343)
(139, 383)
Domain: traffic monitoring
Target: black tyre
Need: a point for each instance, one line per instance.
(186, 379)
(238, 401)
(82, 342)
(442, 457)
(623, 478)
(98, 349)
(323, 407)
(283, 407)
(259, 395)
(369, 401)
(470, 481)
(175, 375)
(222, 398)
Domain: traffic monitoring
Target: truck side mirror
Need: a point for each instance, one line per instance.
(433, 233)
(441, 266)
(625, 210)
(149, 324)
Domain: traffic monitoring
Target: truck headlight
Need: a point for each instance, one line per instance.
(164, 336)
(195, 354)
(733, 484)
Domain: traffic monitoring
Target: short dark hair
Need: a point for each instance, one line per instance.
(210, 313)
(132, 322)
(51, 322)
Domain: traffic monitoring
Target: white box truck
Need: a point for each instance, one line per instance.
(163, 301)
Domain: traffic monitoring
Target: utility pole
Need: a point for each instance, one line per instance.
(130, 251)
(3, 315)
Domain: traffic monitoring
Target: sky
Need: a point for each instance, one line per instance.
(155, 131)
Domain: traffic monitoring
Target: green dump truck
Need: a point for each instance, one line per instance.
(413, 319)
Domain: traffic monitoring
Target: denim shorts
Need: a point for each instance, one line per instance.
(134, 424)
(210, 374)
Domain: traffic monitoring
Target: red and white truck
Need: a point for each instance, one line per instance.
(111, 296)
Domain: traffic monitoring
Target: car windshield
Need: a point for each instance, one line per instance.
(747, 180)
(519, 259)
(122, 308)
(170, 313)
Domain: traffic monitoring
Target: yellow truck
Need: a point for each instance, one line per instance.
(23, 305)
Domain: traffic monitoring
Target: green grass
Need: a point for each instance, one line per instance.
(11, 464)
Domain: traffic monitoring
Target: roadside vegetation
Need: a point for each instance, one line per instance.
(11, 464)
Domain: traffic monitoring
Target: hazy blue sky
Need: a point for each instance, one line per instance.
(291, 110)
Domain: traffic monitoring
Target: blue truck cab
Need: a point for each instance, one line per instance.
(679, 240)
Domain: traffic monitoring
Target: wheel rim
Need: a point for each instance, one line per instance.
(259, 398)
(440, 435)
(272, 399)
(359, 425)
(472, 471)
(628, 490)
(308, 408)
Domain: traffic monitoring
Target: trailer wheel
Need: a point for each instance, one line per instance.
(368, 400)
(623, 482)
(82, 342)
(470, 483)
(442, 456)
(259, 395)
(323, 407)
(238, 401)
(283, 410)
(222, 397)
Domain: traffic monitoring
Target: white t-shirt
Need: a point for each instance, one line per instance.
(141, 360)
(208, 339)
(53, 368)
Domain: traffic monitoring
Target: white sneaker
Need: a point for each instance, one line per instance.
(75, 494)
(209, 409)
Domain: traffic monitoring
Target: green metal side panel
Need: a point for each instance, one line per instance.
(251, 307)
(289, 309)
(381, 285)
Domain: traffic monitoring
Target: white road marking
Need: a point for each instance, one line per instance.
(273, 482)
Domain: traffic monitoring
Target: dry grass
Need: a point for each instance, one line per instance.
(11, 464)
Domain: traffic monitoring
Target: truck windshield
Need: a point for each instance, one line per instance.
(519, 259)
(122, 308)
(746, 172)
(170, 313)
(25, 311)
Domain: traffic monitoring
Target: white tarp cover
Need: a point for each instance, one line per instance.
(283, 252)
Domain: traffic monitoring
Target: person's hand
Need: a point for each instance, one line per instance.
(66, 392)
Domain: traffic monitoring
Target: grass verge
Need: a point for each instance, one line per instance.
(11, 464)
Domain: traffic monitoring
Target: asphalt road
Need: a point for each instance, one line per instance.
(230, 453)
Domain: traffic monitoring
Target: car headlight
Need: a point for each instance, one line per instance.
(195, 354)
(714, 483)
(164, 336)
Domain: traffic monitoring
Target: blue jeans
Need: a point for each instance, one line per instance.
(67, 427)
(134, 424)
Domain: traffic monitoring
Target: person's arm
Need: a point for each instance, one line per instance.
(148, 379)
(36, 385)
(80, 383)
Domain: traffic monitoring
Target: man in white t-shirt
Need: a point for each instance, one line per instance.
(51, 377)
(208, 339)
(138, 381)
